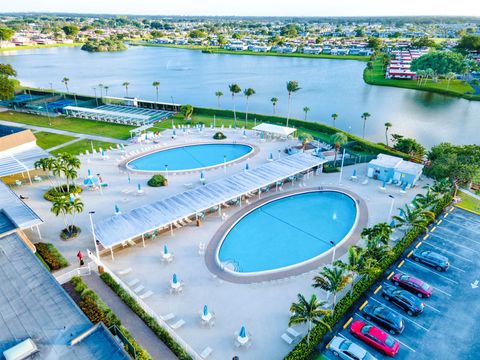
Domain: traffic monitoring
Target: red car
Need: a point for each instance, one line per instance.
(375, 337)
(412, 284)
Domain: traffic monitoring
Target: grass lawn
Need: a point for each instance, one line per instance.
(468, 202)
(28, 47)
(47, 140)
(376, 76)
(81, 126)
(82, 145)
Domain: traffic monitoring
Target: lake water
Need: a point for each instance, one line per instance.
(188, 76)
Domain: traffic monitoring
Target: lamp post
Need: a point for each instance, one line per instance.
(225, 164)
(90, 213)
(341, 168)
(391, 207)
(95, 91)
(334, 248)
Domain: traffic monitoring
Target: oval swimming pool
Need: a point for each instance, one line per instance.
(287, 232)
(190, 157)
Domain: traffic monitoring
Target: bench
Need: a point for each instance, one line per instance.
(206, 352)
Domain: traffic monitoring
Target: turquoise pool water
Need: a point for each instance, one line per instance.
(190, 157)
(288, 231)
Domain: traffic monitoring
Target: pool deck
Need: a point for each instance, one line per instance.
(352, 238)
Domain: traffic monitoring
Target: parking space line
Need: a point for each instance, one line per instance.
(466, 219)
(457, 268)
(463, 236)
(426, 237)
(377, 289)
(431, 307)
(401, 264)
(433, 272)
(390, 276)
(401, 342)
(451, 209)
(464, 227)
(418, 245)
(447, 251)
(363, 305)
(348, 323)
(401, 315)
(410, 254)
(436, 236)
(444, 216)
(443, 292)
(433, 229)
(439, 222)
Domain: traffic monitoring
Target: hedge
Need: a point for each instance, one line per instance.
(96, 310)
(156, 181)
(302, 350)
(161, 333)
(55, 192)
(51, 256)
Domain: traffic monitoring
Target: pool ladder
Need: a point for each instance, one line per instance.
(231, 265)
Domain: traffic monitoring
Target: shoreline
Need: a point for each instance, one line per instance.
(31, 47)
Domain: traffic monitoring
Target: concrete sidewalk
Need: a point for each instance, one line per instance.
(141, 332)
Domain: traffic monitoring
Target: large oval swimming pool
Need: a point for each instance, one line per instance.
(190, 157)
(287, 231)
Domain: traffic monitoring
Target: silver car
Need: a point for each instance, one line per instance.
(347, 350)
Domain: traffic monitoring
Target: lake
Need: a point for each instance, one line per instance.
(189, 76)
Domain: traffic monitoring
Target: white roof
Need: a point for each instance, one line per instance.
(409, 167)
(387, 161)
(275, 129)
(106, 112)
(15, 162)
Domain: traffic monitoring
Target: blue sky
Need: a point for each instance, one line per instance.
(251, 7)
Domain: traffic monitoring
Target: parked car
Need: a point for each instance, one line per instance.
(375, 337)
(431, 258)
(408, 302)
(347, 350)
(412, 284)
(386, 318)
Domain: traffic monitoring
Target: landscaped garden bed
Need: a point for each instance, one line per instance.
(51, 256)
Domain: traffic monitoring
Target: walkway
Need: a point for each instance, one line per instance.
(64, 132)
(141, 332)
(63, 144)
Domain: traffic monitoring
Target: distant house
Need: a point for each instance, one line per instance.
(387, 167)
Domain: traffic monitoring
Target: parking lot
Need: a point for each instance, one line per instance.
(449, 326)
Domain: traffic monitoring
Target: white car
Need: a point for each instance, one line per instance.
(347, 350)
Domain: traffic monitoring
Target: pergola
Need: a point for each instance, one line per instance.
(282, 131)
(20, 161)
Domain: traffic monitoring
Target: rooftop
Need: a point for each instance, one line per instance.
(386, 161)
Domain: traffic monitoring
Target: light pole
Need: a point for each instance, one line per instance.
(334, 248)
(95, 91)
(90, 213)
(341, 168)
(391, 207)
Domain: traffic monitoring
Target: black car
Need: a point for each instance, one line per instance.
(384, 317)
(405, 300)
(431, 258)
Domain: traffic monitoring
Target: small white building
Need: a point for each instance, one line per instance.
(395, 169)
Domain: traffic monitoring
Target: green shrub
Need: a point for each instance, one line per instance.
(70, 233)
(51, 256)
(157, 181)
(329, 168)
(161, 333)
(219, 136)
(55, 192)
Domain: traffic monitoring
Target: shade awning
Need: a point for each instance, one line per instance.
(275, 129)
(20, 161)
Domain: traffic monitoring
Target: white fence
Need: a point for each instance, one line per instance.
(81, 271)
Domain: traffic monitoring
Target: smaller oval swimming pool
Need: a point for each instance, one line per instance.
(190, 157)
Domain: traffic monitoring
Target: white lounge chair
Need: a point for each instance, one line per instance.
(133, 282)
(206, 352)
(18, 183)
(365, 182)
(178, 324)
(124, 271)
(146, 294)
(168, 317)
(139, 288)
(287, 339)
(293, 333)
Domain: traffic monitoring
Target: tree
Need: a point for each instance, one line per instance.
(380, 231)
(7, 70)
(449, 77)
(424, 42)
(375, 249)
(6, 33)
(290, 30)
(218, 94)
(416, 218)
(70, 30)
(338, 139)
(308, 311)
(197, 34)
(388, 125)
(354, 257)
(64, 207)
(156, 85)
(365, 116)
(408, 146)
(374, 43)
(187, 111)
(274, 102)
(332, 280)
(469, 43)
(7, 84)
(306, 109)
(126, 84)
(441, 62)
(334, 118)
(292, 87)
(65, 82)
(247, 92)
(234, 89)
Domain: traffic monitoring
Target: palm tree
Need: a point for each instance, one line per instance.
(354, 257)
(306, 139)
(380, 231)
(60, 206)
(101, 89)
(306, 109)
(388, 125)
(365, 116)
(106, 90)
(65, 81)
(292, 87)
(247, 92)
(338, 139)
(218, 94)
(442, 186)
(375, 249)
(156, 85)
(368, 267)
(416, 218)
(308, 311)
(334, 118)
(450, 76)
(126, 84)
(76, 207)
(331, 280)
(234, 89)
(427, 201)
(274, 101)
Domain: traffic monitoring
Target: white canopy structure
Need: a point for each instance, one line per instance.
(21, 160)
(165, 212)
(275, 129)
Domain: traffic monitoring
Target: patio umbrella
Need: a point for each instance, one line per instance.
(72, 198)
(205, 310)
(392, 224)
(404, 187)
(270, 157)
(128, 178)
(243, 332)
(139, 187)
(355, 173)
(247, 167)
(202, 177)
(90, 181)
(89, 173)
(165, 249)
(174, 132)
(384, 184)
(174, 279)
(117, 209)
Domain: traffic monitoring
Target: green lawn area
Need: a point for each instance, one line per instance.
(47, 140)
(468, 202)
(28, 47)
(376, 76)
(82, 145)
(81, 126)
(204, 119)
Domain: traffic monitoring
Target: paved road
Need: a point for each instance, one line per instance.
(64, 132)
(141, 332)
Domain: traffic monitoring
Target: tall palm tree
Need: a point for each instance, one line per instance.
(308, 311)
(413, 218)
(76, 207)
(60, 207)
(306, 109)
(381, 231)
(450, 76)
(106, 90)
(331, 280)
(427, 201)
(365, 116)
(334, 118)
(442, 186)
(368, 266)
(101, 89)
(247, 92)
(65, 81)
(292, 87)
(156, 85)
(338, 139)
(234, 89)
(126, 84)
(375, 249)
(274, 101)
(354, 257)
(388, 125)
(218, 94)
